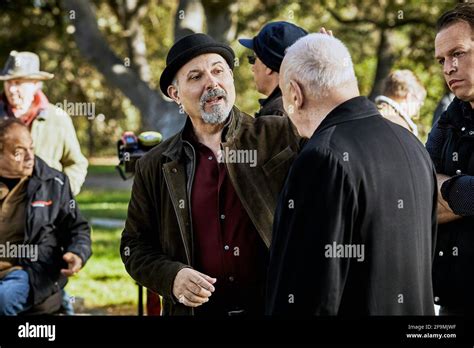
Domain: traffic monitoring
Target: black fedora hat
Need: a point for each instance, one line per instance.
(188, 48)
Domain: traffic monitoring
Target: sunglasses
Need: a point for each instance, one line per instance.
(252, 59)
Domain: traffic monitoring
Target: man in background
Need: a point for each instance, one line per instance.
(451, 146)
(52, 129)
(356, 220)
(269, 49)
(36, 214)
(402, 99)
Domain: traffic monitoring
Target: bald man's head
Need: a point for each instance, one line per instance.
(16, 150)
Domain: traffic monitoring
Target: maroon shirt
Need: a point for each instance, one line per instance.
(226, 244)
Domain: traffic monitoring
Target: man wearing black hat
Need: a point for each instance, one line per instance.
(269, 47)
(200, 216)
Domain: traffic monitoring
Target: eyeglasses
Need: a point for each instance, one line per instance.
(252, 59)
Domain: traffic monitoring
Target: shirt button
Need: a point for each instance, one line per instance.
(210, 158)
(440, 253)
(436, 299)
(174, 170)
(226, 247)
(222, 217)
(458, 172)
(231, 279)
(463, 129)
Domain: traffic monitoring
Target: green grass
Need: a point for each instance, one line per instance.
(102, 169)
(104, 204)
(103, 281)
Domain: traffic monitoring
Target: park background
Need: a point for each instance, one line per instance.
(110, 54)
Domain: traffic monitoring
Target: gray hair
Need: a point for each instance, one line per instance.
(401, 82)
(319, 62)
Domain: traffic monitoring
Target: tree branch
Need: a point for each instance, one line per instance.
(155, 111)
(354, 20)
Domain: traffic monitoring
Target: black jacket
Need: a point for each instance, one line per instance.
(361, 181)
(451, 146)
(157, 241)
(55, 225)
(273, 105)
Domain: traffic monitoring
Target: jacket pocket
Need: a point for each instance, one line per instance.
(278, 161)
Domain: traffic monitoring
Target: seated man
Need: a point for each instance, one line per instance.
(51, 127)
(39, 221)
(402, 99)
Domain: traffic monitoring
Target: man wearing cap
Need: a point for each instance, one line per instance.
(200, 216)
(52, 129)
(269, 47)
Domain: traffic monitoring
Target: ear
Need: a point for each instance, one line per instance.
(268, 71)
(296, 94)
(38, 85)
(173, 93)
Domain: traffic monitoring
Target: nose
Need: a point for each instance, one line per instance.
(450, 66)
(211, 82)
(29, 155)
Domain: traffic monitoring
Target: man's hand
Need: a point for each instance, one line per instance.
(324, 31)
(74, 264)
(192, 288)
(445, 213)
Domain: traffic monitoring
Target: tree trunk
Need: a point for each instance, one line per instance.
(386, 58)
(218, 17)
(221, 19)
(157, 114)
(189, 18)
(135, 11)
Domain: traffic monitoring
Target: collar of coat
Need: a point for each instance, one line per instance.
(458, 114)
(352, 109)
(175, 148)
(275, 94)
(44, 172)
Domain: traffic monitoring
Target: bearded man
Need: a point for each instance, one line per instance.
(200, 217)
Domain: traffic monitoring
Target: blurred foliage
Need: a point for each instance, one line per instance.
(42, 26)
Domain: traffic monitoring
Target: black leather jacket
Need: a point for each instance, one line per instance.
(451, 147)
(55, 225)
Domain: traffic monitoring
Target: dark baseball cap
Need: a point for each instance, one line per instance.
(272, 41)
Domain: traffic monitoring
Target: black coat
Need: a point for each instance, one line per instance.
(360, 181)
(451, 146)
(56, 227)
(273, 105)
(157, 241)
